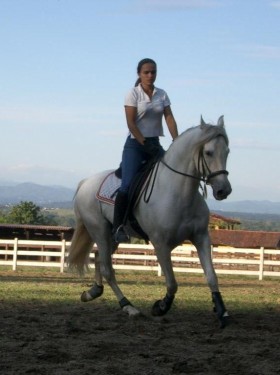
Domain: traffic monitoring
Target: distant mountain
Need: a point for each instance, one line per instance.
(60, 196)
(262, 207)
(39, 194)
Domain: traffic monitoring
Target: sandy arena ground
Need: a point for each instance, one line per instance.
(92, 338)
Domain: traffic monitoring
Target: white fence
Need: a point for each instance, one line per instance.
(227, 260)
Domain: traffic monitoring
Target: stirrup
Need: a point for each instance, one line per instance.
(120, 235)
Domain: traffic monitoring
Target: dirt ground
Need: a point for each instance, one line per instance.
(92, 338)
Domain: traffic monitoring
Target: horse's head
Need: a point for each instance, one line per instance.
(213, 158)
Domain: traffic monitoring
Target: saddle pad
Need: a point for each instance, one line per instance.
(108, 188)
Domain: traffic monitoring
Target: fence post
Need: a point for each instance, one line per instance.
(15, 254)
(261, 263)
(62, 258)
(159, 273)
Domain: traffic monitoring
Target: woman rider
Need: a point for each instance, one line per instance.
(145, 105)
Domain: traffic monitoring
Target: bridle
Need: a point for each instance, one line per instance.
(205, 172)
(203, 168)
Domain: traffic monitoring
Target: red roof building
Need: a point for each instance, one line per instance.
(35, 232)
(222, 222)
(245, 239)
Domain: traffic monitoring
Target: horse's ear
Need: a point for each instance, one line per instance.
(202, 123)
(221, 121)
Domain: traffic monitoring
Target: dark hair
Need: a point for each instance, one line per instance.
(139, 67)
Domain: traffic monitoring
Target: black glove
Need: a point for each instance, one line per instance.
(151, 149)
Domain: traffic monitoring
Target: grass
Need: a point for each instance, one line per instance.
(41, 286)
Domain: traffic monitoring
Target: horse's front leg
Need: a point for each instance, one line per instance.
(161, 307)
(204, 253)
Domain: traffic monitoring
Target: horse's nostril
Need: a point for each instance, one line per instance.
(220, 193)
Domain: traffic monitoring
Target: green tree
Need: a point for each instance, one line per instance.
(26, 213)
(3, 217)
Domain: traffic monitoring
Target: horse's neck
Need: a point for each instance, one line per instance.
(180, 156)
(180, 169)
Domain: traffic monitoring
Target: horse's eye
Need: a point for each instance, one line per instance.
(209, 153)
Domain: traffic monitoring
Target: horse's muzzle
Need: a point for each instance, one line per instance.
(221, 191)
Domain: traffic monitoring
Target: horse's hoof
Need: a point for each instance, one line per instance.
(131, 311)
(224, 320)
(85, 297)
(96, 291)
(157, 309)
(162, 306)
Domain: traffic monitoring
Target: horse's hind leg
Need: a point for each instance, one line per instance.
(107, 271)
(104, 268)
(97, 289)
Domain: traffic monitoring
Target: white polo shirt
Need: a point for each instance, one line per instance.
(149, 111)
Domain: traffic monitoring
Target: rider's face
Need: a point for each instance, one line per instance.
(148, 74)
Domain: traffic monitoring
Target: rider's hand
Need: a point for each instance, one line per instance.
(151, 149)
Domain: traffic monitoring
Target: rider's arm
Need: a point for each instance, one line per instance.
(170, 121)
(130, 113)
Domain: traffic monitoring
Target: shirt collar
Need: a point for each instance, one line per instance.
(141, 88)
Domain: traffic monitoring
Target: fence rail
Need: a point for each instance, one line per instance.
(227, 260)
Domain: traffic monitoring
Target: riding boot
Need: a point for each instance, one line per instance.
(119, 234)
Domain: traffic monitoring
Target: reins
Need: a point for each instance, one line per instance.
(154, 168)
(200, 179)
(181, 173)
(205, 178)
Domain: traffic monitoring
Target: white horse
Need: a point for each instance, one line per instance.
(176, 211)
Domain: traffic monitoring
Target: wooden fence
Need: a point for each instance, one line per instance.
(227, 260)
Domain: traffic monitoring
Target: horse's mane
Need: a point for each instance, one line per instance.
(205, 133)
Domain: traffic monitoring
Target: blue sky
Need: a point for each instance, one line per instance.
(66, 66)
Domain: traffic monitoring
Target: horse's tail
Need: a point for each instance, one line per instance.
(81, 246)
(78, 188)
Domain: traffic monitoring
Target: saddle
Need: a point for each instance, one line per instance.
(109, 188)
